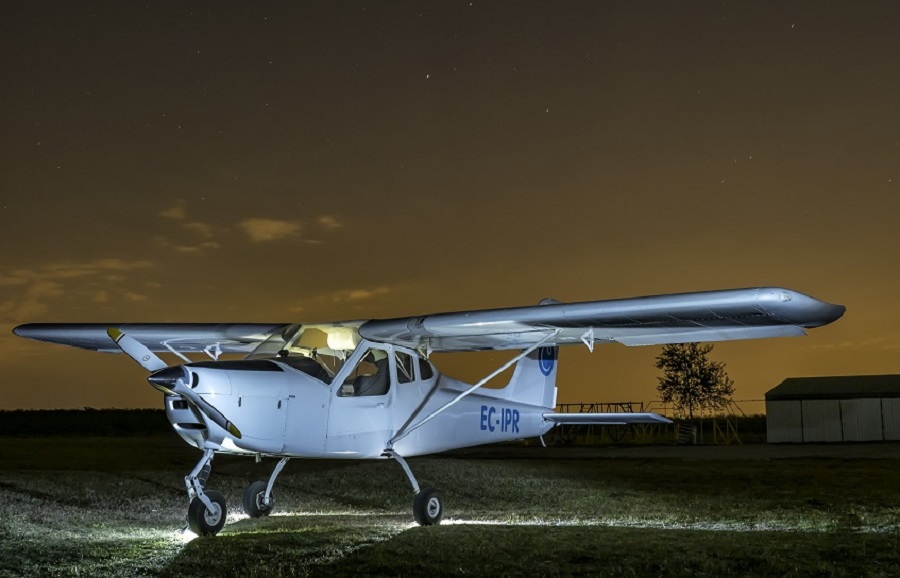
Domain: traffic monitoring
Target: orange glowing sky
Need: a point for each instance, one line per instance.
(288, 161)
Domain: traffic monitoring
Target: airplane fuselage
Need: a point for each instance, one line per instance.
(285, 412)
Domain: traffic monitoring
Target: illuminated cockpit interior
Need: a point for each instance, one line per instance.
(319, 350)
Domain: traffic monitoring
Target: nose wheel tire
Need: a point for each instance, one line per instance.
(428, 507)
(254, 500)
(205, 522)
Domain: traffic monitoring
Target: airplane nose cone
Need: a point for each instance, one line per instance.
(164, 379)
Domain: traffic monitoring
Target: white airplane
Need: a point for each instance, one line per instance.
(366, 390)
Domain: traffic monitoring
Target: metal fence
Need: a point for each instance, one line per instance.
(722, 427)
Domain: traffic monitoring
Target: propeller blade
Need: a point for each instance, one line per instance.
(172, 380)
(169, 379)
(136, 350)
(208, 409)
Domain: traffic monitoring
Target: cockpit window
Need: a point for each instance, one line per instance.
(309, 366)
(371, 376)
(317, 350)
(425, 369)
(275, 342)
(405, 368)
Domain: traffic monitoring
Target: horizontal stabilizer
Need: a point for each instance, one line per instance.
(605, 418)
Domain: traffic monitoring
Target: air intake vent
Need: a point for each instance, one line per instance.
(190, 425)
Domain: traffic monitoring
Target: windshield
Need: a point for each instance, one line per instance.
(329, 345)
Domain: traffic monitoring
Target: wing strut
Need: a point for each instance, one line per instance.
(405, 432)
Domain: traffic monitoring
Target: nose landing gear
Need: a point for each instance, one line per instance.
(207, 510)
(205, 520)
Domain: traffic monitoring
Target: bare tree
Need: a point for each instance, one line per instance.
(690, 380)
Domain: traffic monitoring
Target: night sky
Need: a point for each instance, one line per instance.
(313, 161)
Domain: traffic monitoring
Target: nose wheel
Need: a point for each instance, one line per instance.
(207, 521)
(206, 509)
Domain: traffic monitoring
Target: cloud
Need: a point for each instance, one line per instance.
(196, 248)
(344, 297)
(329, 222)
(261, 230)
(7, 280)
(177, 212)
(29, 292)
(165, 243)
(203, 228)
(33, 303)
(71, 270)
(358, 294)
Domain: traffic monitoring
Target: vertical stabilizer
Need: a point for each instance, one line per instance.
(534, 379)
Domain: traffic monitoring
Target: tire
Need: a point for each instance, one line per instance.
(203, 522)
(253, 500)
(428, 507)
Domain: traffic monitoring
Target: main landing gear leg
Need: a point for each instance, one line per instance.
(258, 497)
(206, 510)
(428, 504)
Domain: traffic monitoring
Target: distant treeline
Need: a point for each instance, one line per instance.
(84, 422)
(142, 422)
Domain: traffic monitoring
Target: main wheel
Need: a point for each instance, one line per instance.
(428, 507)
(205, 522)
(254, 504)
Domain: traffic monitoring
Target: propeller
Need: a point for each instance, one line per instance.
(169, 379)
(137, 350)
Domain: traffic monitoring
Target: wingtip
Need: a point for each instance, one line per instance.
(114, 334)
(26, 330)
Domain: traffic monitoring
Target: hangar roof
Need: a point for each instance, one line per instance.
(836, 387)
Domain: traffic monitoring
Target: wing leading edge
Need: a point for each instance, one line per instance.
(181, 337)
(678, 318)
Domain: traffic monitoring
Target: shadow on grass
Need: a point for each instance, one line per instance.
(330, 549)
(573, 551)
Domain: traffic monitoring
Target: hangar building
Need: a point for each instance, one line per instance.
(853, 408)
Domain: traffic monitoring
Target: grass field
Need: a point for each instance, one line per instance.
(114, 506)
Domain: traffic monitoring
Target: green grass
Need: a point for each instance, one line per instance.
(115, 506)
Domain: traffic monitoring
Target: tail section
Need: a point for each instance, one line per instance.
(534, 379)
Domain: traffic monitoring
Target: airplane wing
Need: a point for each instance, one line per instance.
(605, 418)
(181, 337)
(679, 318)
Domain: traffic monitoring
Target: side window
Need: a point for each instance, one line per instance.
(405, 369)
(370, 376)
(425, 369)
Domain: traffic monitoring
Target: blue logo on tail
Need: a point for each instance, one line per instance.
(546, 359)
